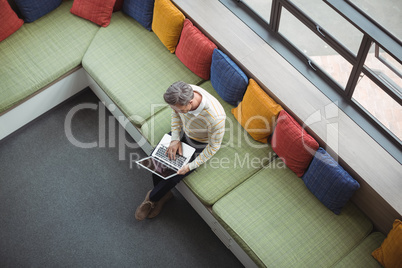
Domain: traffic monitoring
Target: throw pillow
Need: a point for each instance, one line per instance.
(97, 11)
(195, 50)
(33, 10)
(10, 22)
(229, 81)
(329, 182)
(389, 254)
(140, 10)
(167, 23)
(257, 112)
(293, 144)
(118, 5)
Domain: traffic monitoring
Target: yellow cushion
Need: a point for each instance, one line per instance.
(167, 23)
(257, 112)
(389, 254)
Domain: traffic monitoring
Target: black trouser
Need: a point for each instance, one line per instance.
(161, 186)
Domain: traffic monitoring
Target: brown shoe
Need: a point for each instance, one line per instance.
(143, 210)
(159, 205)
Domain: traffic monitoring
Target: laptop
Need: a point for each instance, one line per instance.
(159, 162)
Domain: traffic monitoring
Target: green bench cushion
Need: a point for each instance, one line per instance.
(133, 67)
(239, 157)
(361, 255)
(280, 223)
(41, 52)
(156, 126)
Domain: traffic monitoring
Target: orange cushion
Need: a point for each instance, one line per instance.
(195, 50)
(389, 254)
(167, 23)
(97, 11)
(9, 20)
(257, 112)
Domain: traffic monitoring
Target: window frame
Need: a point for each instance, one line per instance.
(372, 32)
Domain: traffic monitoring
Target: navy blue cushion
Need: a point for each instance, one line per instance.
(229, 81)
(141, 10)
(33, 10)
(329, 182)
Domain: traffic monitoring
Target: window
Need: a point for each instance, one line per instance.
(384, 69)
(315, 49)
(350, 49)
(386, 12)
(263, 8)
(337, 26)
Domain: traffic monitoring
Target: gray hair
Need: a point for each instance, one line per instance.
(179, 93)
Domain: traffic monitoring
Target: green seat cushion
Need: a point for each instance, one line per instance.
(40, 52)
(133, 67)
(280, 223)
(156, 126)
(361, 255)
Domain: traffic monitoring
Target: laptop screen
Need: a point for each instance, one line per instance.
(157, 167)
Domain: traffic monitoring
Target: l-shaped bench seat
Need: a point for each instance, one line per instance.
(259, 208)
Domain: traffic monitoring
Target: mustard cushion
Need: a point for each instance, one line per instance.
(389, 254)
(167, 23)
(257, 112)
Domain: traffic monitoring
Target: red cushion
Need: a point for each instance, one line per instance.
(9, 20)
(97, 11)
(195, 50)
(118, 5)
(293, 144)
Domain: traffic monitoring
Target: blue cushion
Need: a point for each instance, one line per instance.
(229, 81)
(141, 10)
(33, 10)
(329, 182)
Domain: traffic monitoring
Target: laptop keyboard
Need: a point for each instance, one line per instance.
(178, 162)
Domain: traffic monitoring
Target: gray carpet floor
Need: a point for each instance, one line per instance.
(66, 206)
